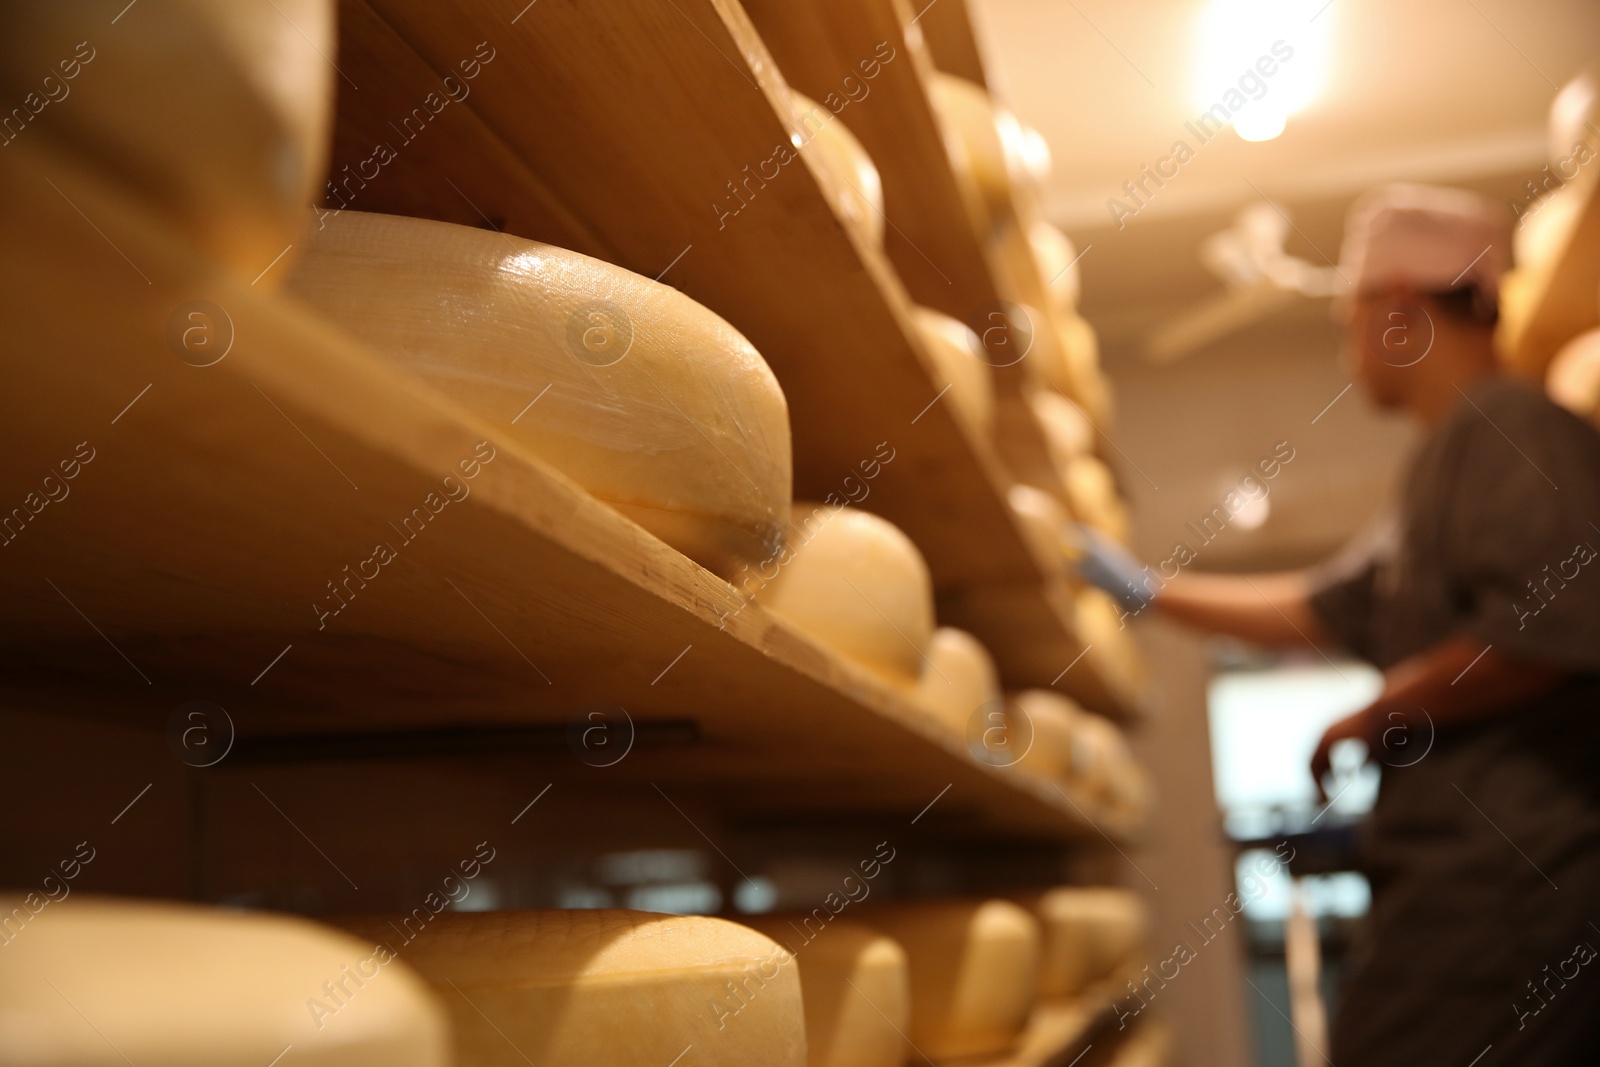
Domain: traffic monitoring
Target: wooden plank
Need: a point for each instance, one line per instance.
(221, 511)
(829, 50)
(952, 38)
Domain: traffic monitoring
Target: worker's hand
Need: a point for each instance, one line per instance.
(1358, 726)
(1108, 566)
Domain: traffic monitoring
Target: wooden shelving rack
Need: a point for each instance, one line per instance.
(225, 500)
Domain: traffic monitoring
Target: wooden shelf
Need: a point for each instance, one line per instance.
(1563, 300)
(222, 499)
(663, 106)
(952, 39)
(819, 48)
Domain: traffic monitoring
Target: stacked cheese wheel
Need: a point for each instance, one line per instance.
(1088, 935)
(857, 586)
(1051, 737)
(645, 398)
(1573, 379)
(855, 983)
(856, 185)
(973, 968)
(627, 989)
(103, 983)
(229, 155)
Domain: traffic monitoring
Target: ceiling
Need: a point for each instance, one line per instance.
(1448, 91)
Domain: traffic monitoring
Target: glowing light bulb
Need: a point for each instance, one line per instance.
(1261, 61)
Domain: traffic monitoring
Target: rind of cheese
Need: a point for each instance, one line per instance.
(1057, 259)
(1088, 934)
(855, 584)
(995, 146)
(857, 993)
(1045, 725)
(1042, 520)
(859, 192)
(621, 988)
(960, 679)
(1067, 430)
(955, 350)
(100, 982)
(216, 116)
(1092, 493)
(1573, 380)
(1098, 622)
(644, 397)
(974, 972)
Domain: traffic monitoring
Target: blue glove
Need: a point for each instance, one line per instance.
(1111, 568)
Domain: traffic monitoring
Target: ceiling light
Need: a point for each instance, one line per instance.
(1258, 62)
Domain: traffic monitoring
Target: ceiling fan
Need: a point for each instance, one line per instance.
(1259, 278)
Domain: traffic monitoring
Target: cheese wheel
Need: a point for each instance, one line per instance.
(960, 679)
(1043, 725)
(858, 192)
(974, 972)
(215, 116)
(856, 989)
(993, 142)
(642, 396)
(1099, 623)
(1573, 379)
(620, 988)
(1067, 430)
(956, 353)
(1087, 934)
(1042, 520)
(1057, 260)
(855, 584)
(1092, 493)
(1036, 156)
(100, 981)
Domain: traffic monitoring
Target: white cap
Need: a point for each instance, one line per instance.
(1429, 238)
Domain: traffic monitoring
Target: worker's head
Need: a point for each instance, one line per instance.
(1423, 265)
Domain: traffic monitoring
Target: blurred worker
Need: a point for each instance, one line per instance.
(1479, 598)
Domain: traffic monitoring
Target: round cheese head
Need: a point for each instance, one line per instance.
(215, 116)
(855, 584)
(858, 191)
(1067, 430)
(995, 147)
(1042, 520)
(974, 972)
(855, 985)
(1573, 379)
(1088, 934)
(621, 988)
(643, 397)
(1098, 620)
(98, 982)
(1044, 725)
(1092, 492)
(1058, 262)
(959, 680)
(955, 350)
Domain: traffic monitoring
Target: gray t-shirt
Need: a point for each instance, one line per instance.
(1484, 847)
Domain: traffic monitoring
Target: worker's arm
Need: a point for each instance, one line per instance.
(1269, 609)
(1455, 682)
